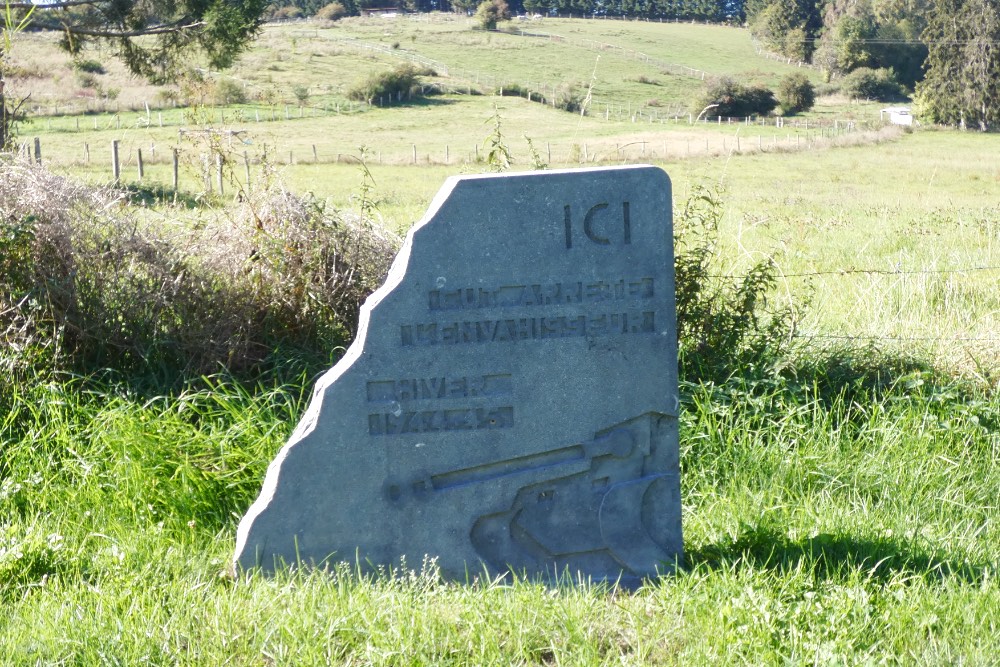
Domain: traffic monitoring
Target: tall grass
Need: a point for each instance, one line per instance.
(819, 528)
(86, 283)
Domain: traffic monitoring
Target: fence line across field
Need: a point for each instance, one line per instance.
(873, 272)
(663, 148)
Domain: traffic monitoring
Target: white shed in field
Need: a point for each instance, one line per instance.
(897, 115)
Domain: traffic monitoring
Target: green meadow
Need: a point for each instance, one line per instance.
(839, 485)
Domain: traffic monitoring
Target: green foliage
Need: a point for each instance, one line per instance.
(537, 163)
(725, 324)
(733, 99)
(227, 91)
(498, 155)
(398, 85)
(89, 66)
(852, 36)
(118, 515)
(795, 94)
(788, 28)
(963, 68)
(872, 84)
(490, 13)
(301, 94)
(155, 39)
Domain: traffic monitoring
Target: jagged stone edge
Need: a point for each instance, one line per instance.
(397, 272)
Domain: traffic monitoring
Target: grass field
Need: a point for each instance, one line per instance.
(839, 500)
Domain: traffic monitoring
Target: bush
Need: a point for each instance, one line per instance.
(733, 99)
(87, 80)
(89, 66)
(795, 94)
(228, 91)
(491, 12)
(725, 324)
(84, 286)
(285, 13)
(331, 12)
(394, 85)
(872, 84)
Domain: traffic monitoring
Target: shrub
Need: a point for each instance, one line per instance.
(725, 324)
(795, 94)
(87, 80)
(286, 13)
(168, 96)
(84, 286)
(332, 12)
(569, 97)
(830, 88)
(394, 85)
(89, 66)
(228, 91)
(642, 78)
(491, 12)
(872, 84)
(733, 99)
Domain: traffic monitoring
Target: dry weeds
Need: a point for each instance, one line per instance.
(87, 282)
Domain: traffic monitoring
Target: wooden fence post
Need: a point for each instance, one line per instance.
(206, 174)
(115, 166)
(218, 172)
(139, 165)
(38, 150)
(176, 161)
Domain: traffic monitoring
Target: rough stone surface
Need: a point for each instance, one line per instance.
(510, 402)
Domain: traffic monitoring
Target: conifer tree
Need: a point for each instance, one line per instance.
(962, 81)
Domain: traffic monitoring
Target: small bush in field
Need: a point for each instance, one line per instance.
(872, 84)
(332, 12)
(89, 66)
(228, 91)
(730, 98)
(402, 83)
(795, 94)
(490, 13)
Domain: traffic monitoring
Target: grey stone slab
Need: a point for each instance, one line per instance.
(510, 402)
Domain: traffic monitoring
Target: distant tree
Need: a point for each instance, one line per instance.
(788, 27)
(795, 94)
(874, 34)
(152, 37)
(962, 82)
(872, 84)
(491, 12)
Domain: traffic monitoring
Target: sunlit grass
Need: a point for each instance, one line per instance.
(818, 527)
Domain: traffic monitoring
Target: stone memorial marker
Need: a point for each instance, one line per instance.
(510, 401)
